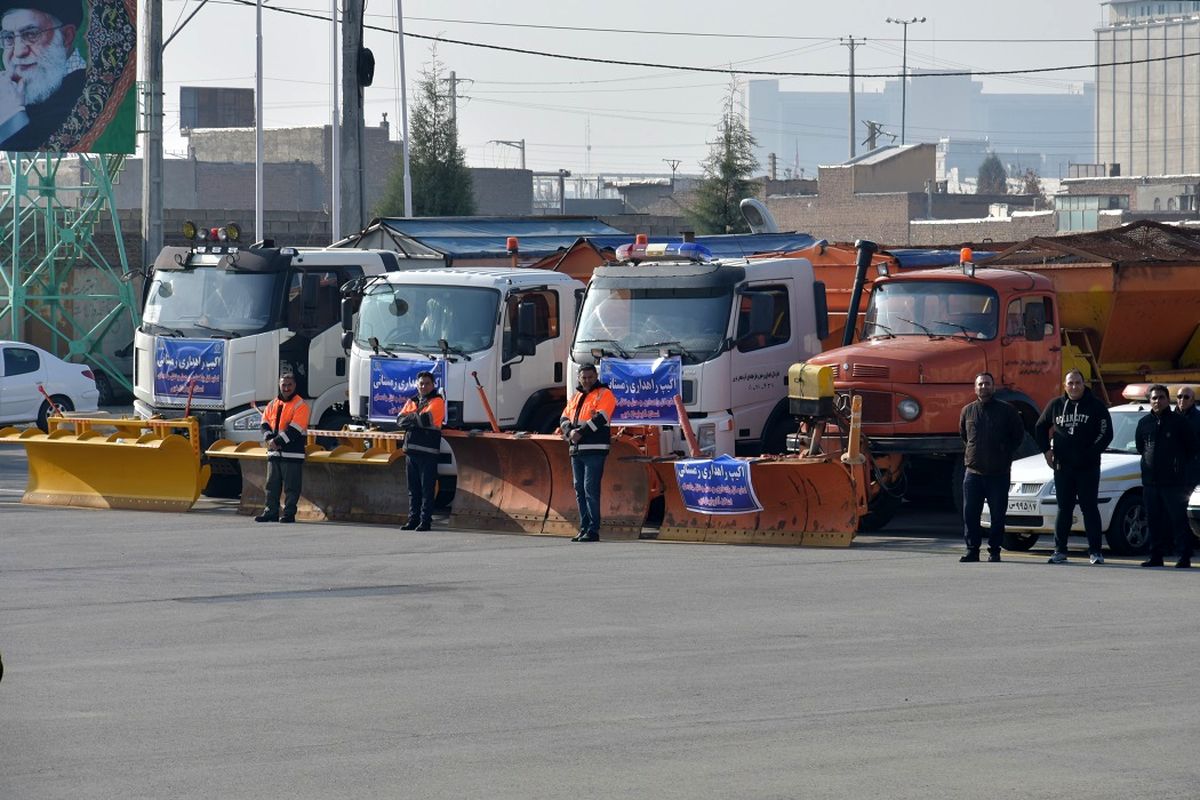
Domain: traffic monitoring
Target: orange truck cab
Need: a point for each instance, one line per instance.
(927, 334)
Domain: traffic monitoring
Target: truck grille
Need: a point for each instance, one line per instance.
(876, 406)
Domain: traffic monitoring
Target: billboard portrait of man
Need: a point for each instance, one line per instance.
(58, 89)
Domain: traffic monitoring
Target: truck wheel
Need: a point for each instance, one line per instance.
(545, 420)
(331, 420)
(957, 471)
(1020, 541)
(224, 486)
(1129, 533)
(881, 508)
(444, 494)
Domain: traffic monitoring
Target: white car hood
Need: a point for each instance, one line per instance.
(1113, 466)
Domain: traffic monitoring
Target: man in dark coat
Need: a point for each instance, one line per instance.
(44, 73)
(1074, 429)
(1168, 445)
(991, 431)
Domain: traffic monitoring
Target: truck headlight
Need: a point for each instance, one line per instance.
(250, 422)
(706, 437)
(908, 409)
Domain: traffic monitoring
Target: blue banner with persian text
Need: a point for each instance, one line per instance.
(394, 381)
(188, 365)
(716, 485)
(645, 389)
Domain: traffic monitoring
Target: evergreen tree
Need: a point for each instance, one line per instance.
(992, 178)
(727, 174)
(1032, 184)
(441, 182)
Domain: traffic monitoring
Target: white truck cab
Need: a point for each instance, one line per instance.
(736, 324)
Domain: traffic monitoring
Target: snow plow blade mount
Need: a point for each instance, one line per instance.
(98, 462)
(807, 502)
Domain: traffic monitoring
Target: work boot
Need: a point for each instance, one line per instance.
(424, 526)
(971, 556)
(411, 524)
(578, 536)
(1183, 563)
(1154, 561)
(588, 537)
(994, 556)
(267, 516)
(287, 518)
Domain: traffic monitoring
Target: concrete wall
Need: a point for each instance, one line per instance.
(906, 171)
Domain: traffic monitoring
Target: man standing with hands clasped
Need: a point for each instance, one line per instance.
(1074, 429)
(284, 425)
(1167, 445)
(992, 431)
(421, 419)
(585, 426)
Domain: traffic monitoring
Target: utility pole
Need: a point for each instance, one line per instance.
(453, 95)
(408, 198)
(904, 73)
(673, 163)
(335, 131)
(874, 131)
(772, 166)
(152, 151)
(259, 178)
(851, 43)
(353, 201)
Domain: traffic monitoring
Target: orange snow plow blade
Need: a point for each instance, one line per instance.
(504, 482)
(361, 479)
(809, 502)
(624, 492)
(101, 462)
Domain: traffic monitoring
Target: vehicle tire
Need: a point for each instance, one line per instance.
(774, 442)
(224, 486)
(43, 418)
(881, 508)
(443, 495)
(104, 387)
(957, 471)
(545, 419)
(1129, 533)
(1020, 542)
(331, 420)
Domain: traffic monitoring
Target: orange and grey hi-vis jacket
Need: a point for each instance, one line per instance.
(589, 413)
(286, 422)
(422, 418)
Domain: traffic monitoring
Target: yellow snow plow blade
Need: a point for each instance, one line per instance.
(100, 462)
(361, 479)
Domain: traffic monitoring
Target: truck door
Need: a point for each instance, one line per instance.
(523, 375)
(1030, 348)
(761, 355)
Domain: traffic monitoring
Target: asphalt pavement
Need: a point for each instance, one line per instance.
(200, 655)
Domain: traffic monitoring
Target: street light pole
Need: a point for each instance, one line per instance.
(904, 73)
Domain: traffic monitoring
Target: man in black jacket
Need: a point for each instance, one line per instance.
(1185, 406)
(992, 431)
(1167, 445)
(1074, 429)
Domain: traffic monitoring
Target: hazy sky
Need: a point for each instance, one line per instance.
(635, 116)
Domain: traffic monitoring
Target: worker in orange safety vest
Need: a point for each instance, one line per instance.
(284, 429)
(585, 426)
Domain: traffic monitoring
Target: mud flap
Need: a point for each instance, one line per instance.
(79, 466)
(810, 502)
(504, 482)
(624, 491)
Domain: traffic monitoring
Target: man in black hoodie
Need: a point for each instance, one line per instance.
(1072, 432)
(991, 431)
(1167, 444)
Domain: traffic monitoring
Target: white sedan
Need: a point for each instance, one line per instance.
(26, 370)
(1032, 505)
(1194, 512)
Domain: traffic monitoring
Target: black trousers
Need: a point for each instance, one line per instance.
(1077, 486)
(976, 489)
(1166, 514)
(421, 470)
(283, 474)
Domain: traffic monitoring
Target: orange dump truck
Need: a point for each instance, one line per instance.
(1121, 305)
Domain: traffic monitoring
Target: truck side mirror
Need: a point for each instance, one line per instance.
(347, 314)
(1035, 322)
(526, 328)
(347, 339)
(821, 309)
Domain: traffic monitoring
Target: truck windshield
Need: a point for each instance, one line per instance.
(931, 308)
(691, 322)
(207, 301)
(414, 317)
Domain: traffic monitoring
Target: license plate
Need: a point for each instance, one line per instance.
(1022, 506)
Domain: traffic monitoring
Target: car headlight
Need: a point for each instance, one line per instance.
(908, 409)
(250, 422)
(706, 437)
